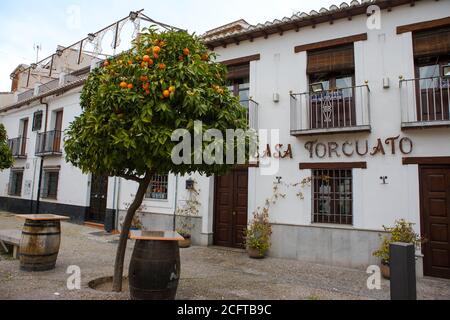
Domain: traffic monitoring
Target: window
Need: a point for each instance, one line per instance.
(239, 82)
(431, 53)
(37, 121)
(158, 188)
(332, 197)
(335, 69)
(50, 184)
(15, 183)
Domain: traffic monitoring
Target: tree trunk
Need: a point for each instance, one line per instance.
(120, 256)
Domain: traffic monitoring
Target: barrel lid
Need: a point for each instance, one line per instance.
(41, 217)
(155, 235)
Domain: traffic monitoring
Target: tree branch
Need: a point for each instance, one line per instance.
(131, 178)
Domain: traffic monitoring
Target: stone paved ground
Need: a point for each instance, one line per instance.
(207, 273)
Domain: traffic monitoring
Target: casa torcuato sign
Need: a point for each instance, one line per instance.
(385, 146)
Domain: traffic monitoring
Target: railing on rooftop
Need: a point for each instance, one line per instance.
(25, 95)
(331, 111)
(425, 102)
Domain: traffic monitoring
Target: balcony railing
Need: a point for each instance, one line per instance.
(252, 113)
(331, 111)
(425, 102)
(25, 95)
(18, 147)
(49, 143)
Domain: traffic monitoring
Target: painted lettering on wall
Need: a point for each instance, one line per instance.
(348, 149)
(278, 152)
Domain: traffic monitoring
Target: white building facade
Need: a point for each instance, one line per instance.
(357, 104)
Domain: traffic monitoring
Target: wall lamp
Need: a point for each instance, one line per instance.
(133, 15)
(91, 37)
(446, 71)
(317, 87)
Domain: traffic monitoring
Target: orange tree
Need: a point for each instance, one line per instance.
(134, 102)
(6, 160)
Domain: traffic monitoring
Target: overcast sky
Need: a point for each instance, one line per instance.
(50, 23)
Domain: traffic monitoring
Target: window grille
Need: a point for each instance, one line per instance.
(333, 196)
(158, 188)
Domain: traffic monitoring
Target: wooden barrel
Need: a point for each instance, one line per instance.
(39, 246)
(154, 270)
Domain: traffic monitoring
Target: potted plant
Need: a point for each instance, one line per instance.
(257, 235)
(402, 232)
(187, 242)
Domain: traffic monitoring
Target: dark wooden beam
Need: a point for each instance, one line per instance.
(426, 160)
(331, 43)
(241, 60)
(421, 26)
(333, 165)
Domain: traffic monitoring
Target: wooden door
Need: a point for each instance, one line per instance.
(231, 209)
(435, 207)
(57, 132)
(99, 194)
(23, 148)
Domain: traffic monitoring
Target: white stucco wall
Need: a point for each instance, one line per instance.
(384, 54)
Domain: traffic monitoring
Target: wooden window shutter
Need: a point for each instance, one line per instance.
(238, 71)
(331, 60)
(44, 187)
(432, 43)
(12, 183)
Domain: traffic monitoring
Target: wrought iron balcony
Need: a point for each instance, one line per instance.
(425, 102)
(18, 147)
(252, 113)
(331, 111)
(49, 143)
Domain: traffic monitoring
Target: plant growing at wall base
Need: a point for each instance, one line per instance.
(186, 213)
(6, 159)
(259, 231)
(135, 101)
(401, 232)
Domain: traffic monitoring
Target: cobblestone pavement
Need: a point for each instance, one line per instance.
(207, 273)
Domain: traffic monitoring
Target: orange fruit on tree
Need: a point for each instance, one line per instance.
(143, 78)
(171, 89)
(150, 62)
(146, 58)
(147, 91)
(144, 64)
(130, 62)
(156, 49)
(186, 51)
(130, 86)
(155, 56)
(123, 85)
(166, 93)
(162, 66)
(146, 86)
(205, 57)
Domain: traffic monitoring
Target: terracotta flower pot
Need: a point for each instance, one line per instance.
(255, 254)
(385, 270)
(186, 243)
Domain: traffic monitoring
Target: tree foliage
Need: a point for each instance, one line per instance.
(6, 159)
(132, 105)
